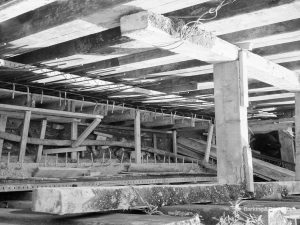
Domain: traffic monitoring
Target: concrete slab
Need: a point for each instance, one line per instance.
(95, 199)
(26, 217)
(271, 212)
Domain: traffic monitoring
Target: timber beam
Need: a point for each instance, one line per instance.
(265, 126)
(77, 19)
(48, 112)
(243, 15)
(268, 72)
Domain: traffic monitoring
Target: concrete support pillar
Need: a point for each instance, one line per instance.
(231, 102)
(137, 137)
(297, 134)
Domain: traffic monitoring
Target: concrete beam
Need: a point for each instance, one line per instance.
(163, 32)
(97, 199)
(68, 20)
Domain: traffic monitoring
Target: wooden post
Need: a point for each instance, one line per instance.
(74, 135)
(231, 102)
(137, 137)
(86, 132)
(3, 120)
(208, 144)
(247, 155)
(174, 139)
(287, 149)
(42, 136)
(154, 141)
(297, 134)
(24, 135)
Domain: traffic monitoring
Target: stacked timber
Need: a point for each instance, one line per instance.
(261, 168)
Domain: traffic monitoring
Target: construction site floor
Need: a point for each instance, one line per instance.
(26, 217)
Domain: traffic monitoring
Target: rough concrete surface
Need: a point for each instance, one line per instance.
(26, 217)
(271, 212)
(94, 199)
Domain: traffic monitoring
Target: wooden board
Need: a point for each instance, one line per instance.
(50, 112)
(63, 150)
(57, 172)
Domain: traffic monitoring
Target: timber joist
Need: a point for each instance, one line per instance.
(154, 66)
(91, 49)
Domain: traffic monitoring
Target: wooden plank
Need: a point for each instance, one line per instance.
(74, 136)
(63, 23)
(287, 149)
(86, 132)
(174, 141)
(20, 115)
(162, 32)
(257, 17)
(231, 120)
(247, 156)
(42, 136)
(56, 172)
(3, 120)
(182, 150)
(21, 100)
(266, 128)
(261, 168)
(208, 143)
(119, 116)
(197, 146)
(271, 73)
(137, 137)
(163, 167)
(64, 150)
(55, 142)
(49, 112)
(273, 34)
(297, 134)
(16, 8)
(103, 134)
(145, 26)
(159, 122)
(24, 136)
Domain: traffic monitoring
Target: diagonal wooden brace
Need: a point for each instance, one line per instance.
(86, 133)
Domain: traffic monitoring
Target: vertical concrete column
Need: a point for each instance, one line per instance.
(231, 102)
